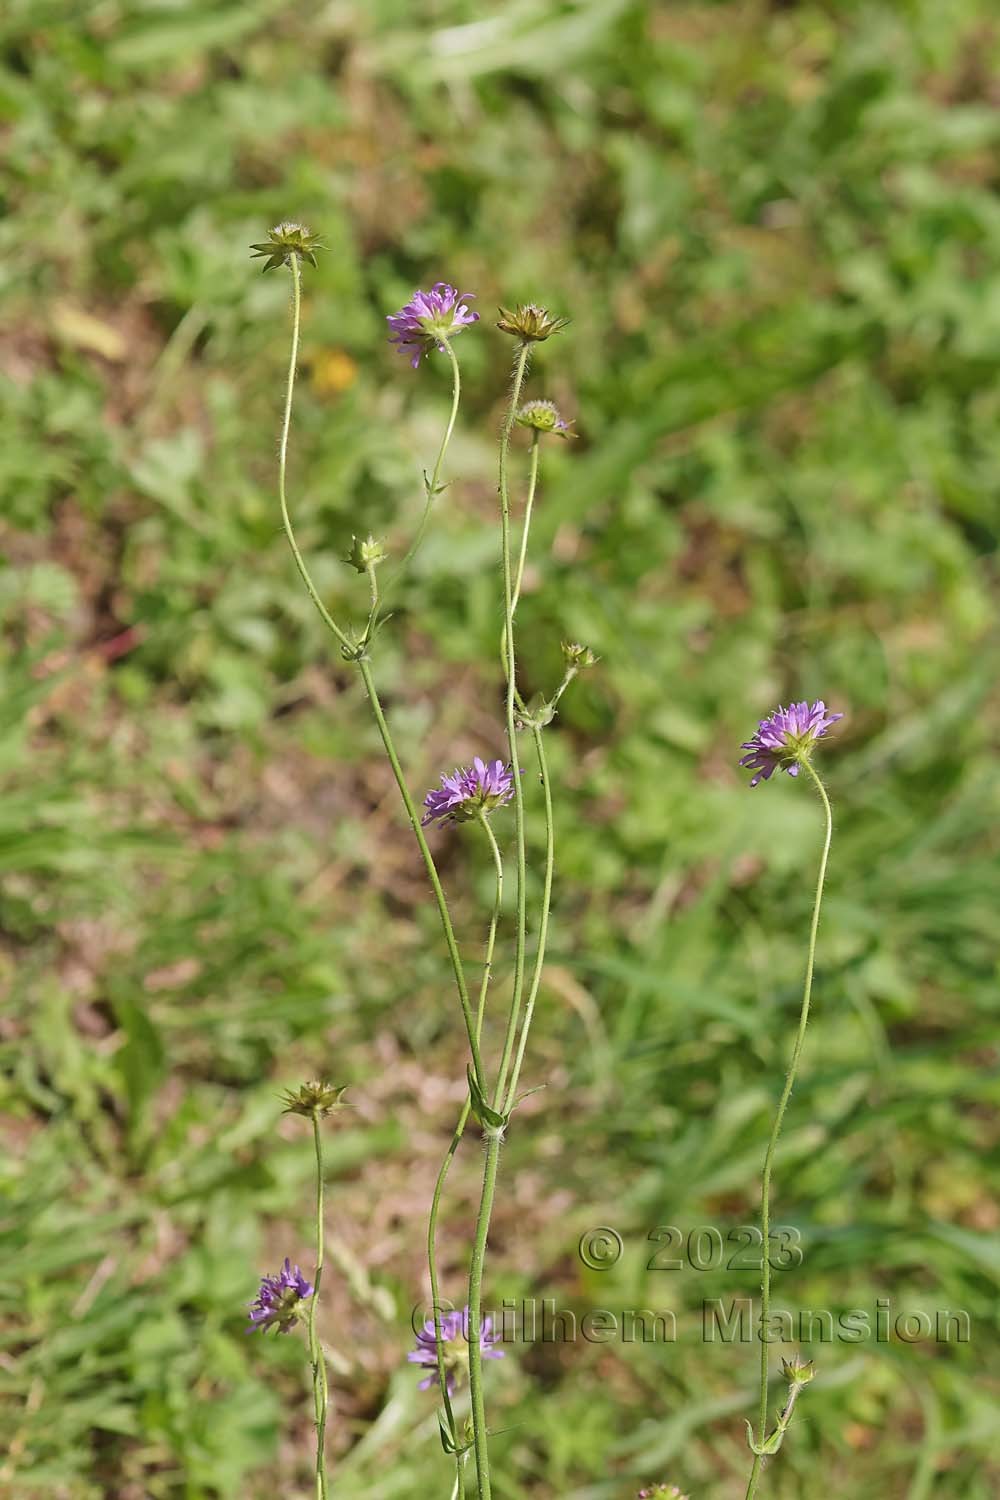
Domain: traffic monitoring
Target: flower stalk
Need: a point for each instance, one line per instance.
(759, 1447)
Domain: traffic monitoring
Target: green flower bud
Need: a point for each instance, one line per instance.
(365, 554)
(543, 416)
(798, 1371)
(575, 655)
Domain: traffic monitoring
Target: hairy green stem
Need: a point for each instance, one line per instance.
(411, 812)
(286, 420)
(475, 1313)
(494, 919)
(431, 485)
(528, 505)
(459, 1131)
(320, 1392)
(365, 669)
(543, 924)
(373, 605)
(520, 365)
(765, 1194)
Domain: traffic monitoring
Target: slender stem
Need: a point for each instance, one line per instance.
(493, 1137)
(475, 1313)
(431, 485)
(373, 607)
(570, 673)
(520, 365)
(765, 1193)
(320, 1394)
(432, 1263)
(543, 924)
(492, 936)
(458, 1132)
(364, 668)
(528, 504)
(519, 575)
(286, 420)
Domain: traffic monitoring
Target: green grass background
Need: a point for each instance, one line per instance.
(776, 230)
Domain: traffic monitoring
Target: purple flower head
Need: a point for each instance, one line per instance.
(454, 1348)
(277, 1303)
(468, 791)
(786, 738)
(428, 318)
(661, 1492)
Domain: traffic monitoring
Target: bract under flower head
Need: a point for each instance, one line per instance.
(314, 1098)
(578, 656)
(454, 1348)
(529, 322)
(798, 1371)
(277, 1303)
(543, 416)
(366, 552)
(786, 739)
(284, 241)
(428, 319)
(468, 792)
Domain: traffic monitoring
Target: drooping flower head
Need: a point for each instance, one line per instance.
(543, 416)
(277, 1303)
(284, 241)
(428, 318)
(469, 791)
(454, 1347)
(786, 739)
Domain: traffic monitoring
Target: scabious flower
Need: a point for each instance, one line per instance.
(661, 1492)
(543, 416)
(529, 322)
(454, 1347)
(429, 318)
(468, 791)
(786, 738)
(284, 241)
(277, 1303)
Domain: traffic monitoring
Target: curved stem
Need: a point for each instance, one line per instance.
(320, 1392)
(543, 924)
(475, 1313)
(520, 365)
(364, 667)
(765, 1195)
(431, 485)
(286, 420)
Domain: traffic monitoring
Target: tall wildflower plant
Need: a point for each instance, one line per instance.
(451, 1345)
(785, 741)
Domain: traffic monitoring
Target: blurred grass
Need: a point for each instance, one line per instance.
(775, 228)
